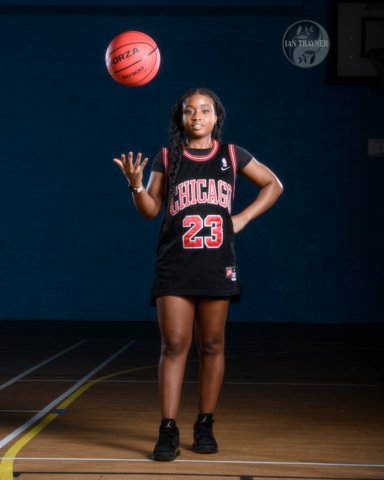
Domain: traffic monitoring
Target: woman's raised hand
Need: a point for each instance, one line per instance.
(133, 171)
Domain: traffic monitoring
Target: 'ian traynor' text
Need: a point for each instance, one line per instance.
(306, 43)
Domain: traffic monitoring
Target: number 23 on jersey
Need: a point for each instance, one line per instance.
(195, 223)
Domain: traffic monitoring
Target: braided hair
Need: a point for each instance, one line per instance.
(176, 136)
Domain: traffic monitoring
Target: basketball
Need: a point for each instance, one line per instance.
(132, 58)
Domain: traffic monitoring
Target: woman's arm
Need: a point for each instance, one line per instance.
(271, 189)
(149, 201)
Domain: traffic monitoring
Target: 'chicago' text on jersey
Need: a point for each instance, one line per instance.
(202, 190)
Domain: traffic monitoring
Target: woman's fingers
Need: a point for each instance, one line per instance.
(138, 160)
(129, 160)
(127, 166)
(139, 164)
(119, 163)
(122, 162)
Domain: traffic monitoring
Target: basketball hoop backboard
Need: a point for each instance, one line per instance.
(360, 28)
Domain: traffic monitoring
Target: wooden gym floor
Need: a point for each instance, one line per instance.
(78, 401)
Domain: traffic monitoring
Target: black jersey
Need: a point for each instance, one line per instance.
(195, 254)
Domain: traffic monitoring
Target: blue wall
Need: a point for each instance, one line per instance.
(71, 243)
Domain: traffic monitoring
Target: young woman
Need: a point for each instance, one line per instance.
(196, 271)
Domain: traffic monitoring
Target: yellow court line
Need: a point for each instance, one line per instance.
(6, 465)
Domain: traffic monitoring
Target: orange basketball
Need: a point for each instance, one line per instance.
(133, 58)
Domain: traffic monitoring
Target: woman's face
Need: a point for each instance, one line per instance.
(199, 116)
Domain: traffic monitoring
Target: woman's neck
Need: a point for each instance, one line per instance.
(200, 143)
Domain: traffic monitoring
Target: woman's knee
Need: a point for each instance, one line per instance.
(173, 347)
(212, 345)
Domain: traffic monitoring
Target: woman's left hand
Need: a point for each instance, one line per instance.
(239, 222)
(271, 189)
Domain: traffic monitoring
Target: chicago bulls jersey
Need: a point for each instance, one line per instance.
(195, 253)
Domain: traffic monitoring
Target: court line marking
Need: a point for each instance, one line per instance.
(6, 464)
(272, 384)
(19, 411)
(242, 462)
(35, 367)
(61, 397)
(283, 384)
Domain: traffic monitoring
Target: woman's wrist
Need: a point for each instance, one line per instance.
(134, 189)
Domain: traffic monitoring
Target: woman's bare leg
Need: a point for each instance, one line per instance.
(210, 332)
(175, 316)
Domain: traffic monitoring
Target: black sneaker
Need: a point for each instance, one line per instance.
(204, 440)
(167, 445)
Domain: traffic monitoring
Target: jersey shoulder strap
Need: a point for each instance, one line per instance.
(165, 158)
(233, 157)
(165, 155)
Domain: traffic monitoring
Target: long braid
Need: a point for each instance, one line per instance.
(177, 138)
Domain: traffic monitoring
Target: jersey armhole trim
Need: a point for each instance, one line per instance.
(165, 155)
(164, 151)
(232, 156)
